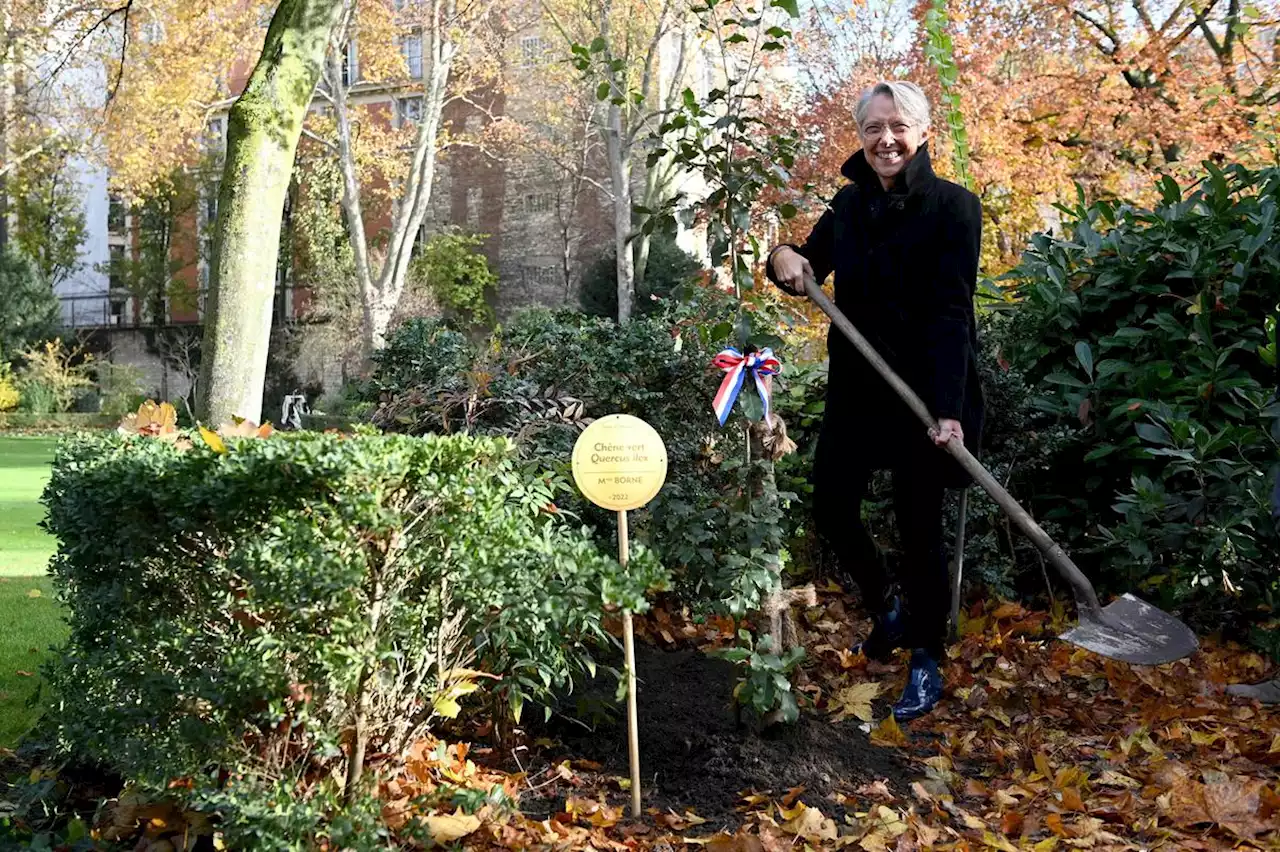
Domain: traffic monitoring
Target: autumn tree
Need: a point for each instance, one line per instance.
(430, 55)
(48, 224)
(618, 46)
(262, 135)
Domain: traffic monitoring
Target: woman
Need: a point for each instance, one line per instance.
(903, 244)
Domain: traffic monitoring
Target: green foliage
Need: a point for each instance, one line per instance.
(45, 206)
(152, 273)
(1144, 335)
(670, 269)
(766, 680)
(28, 307)
(728, 141)
(119, 388)
(242, 619)
(939, 51)
(453, 269)
(549, 372)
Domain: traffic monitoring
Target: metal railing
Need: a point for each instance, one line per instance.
(121, 310)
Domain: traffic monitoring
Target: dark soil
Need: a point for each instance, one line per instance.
(693, 753)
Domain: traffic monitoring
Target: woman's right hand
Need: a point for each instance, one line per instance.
(790, 267)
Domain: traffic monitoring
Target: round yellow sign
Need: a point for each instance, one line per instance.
(619, 462)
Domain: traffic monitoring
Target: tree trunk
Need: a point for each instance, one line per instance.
(262, 137)
(620, 178)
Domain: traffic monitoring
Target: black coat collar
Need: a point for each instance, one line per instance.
(916, 179)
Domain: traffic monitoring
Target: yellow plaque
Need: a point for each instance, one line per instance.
(619, 462)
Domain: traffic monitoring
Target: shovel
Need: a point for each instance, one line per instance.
(1128, 629)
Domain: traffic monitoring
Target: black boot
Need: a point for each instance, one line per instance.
(887, 634)
(924, 687)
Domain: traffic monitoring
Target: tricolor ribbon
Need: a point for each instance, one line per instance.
(759, 364)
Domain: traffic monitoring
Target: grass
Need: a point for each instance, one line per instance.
(30, 617)
(30, 623)
(24, 468)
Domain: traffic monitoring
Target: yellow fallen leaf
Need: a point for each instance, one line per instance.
(1275, 745)
(213, 440)
(854, 701)
(811, 825)
(887, 733)
(34, 593)
(446, 828)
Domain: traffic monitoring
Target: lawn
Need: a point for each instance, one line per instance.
(30, 618)
(24, 468)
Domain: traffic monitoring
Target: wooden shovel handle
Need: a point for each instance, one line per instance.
(1086, 597)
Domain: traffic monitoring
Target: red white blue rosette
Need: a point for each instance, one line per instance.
(758, 364)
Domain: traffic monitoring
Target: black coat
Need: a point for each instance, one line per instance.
(906, 266)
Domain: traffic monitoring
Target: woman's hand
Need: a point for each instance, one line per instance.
(791, 267)
(947, 429)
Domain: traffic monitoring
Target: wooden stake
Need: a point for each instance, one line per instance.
(629, 647)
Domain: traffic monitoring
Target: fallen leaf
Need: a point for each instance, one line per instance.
(34, 593)
(213, 440)
(1011, 823)
(878, 789)
(21, 673)
(811, 825)
(1111, 778)
(854, 701)
(888, 734)
(446, 828)
(724, 842)
(1071, 800)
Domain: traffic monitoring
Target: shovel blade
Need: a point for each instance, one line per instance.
(1133, 631)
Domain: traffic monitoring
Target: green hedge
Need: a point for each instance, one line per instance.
(55, 422)
(245, 617)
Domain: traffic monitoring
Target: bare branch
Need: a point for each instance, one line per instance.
(315, 137)
(26, 155)
(84, 36)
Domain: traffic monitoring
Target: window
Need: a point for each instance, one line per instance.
(215, 134)
(115, 267)
(115, 215)
(211, 204)
(409, 109)
(532, 49)
(538, 202)
(350, 64)
(411, 47)
(474, 196)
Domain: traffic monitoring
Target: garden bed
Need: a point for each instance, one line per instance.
(695, 756)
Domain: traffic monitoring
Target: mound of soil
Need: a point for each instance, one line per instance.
(695, 755)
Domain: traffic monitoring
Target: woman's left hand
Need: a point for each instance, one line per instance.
(947, 429)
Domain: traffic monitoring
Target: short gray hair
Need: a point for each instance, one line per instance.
(907, 97)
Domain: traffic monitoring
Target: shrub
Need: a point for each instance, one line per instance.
(28, 306)
(52, 377)
(249, 623)
(9, 396)
(458, 275)
(1144, 335)
(548, 373)
(119, 388)
(669, 269)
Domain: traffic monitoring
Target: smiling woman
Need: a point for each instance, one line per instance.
(903, 244)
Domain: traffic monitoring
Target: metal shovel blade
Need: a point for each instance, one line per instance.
(1133, 631)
